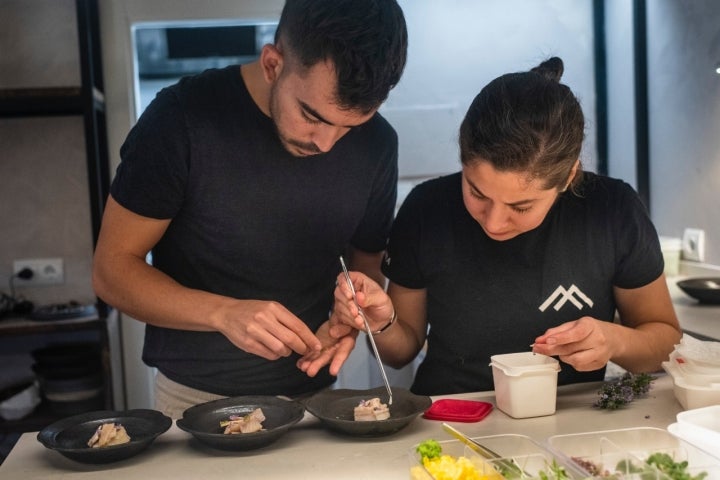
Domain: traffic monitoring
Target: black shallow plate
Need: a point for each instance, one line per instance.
(69, 436)
(203, 421)
(705, 290)
(335, 409)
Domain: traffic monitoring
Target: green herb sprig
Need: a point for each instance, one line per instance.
(555, 472)
(618, 393)
(429, 449)
(663, 462)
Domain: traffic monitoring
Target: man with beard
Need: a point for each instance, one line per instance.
(246, 184)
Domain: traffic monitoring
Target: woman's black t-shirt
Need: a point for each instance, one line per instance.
(486, 297)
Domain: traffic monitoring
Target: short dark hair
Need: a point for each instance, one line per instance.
(526, 122)
(366, 41)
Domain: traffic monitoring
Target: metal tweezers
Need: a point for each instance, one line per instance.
(367, 330)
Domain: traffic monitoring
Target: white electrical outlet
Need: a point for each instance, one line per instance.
(693, 244)
(46, 271)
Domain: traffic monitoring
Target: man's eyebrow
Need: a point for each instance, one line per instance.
(315, 114)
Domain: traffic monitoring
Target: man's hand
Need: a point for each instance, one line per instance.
(266, 329)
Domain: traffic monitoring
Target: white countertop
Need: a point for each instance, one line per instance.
(309, 451)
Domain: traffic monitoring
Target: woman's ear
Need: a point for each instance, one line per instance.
(271, 62)
(573, 172)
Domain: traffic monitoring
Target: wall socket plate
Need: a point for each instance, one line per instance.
(46, 271)
(693, 244)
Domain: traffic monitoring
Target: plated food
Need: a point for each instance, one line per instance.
(371, 410)
(108, 434)
(335, 409)
(206, 422)
(70, 436)
(250, 423)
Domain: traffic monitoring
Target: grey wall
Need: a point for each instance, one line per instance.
(620, 75)
(684, 91)
(456, 47)
(44, 199)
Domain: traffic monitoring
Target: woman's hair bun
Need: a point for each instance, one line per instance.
(552, 69)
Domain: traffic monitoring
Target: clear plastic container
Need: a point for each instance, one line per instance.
(525, 384)
(519, 456)
(624, 452)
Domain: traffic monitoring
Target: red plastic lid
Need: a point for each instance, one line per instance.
(458, 410)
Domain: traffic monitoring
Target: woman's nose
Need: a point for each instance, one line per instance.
(495, 218)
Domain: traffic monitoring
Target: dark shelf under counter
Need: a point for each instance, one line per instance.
(24, 102)
(43, 415)
(40, 418)
(26, 326)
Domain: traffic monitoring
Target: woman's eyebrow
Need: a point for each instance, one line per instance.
(512, 204)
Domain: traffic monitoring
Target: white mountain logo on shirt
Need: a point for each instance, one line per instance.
(561, 296)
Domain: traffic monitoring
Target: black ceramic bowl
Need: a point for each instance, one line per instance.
(68, 354)
(69, 436)
(335, 409)
(705, 290)
(203, 421)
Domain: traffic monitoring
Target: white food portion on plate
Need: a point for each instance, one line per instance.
(371, 410)
(108, 434)
(252, 422)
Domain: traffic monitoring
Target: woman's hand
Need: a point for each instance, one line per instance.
(371, 297)
(334, 352)
(586, 343)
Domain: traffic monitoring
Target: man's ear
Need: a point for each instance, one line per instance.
(271, 62)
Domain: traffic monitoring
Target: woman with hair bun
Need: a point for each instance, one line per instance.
(520, 248)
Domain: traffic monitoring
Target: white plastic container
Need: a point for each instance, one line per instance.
(671, 248)
(692, 390)
(525, 383)
(700, 427)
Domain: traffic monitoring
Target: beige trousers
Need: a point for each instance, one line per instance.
(172, 398)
